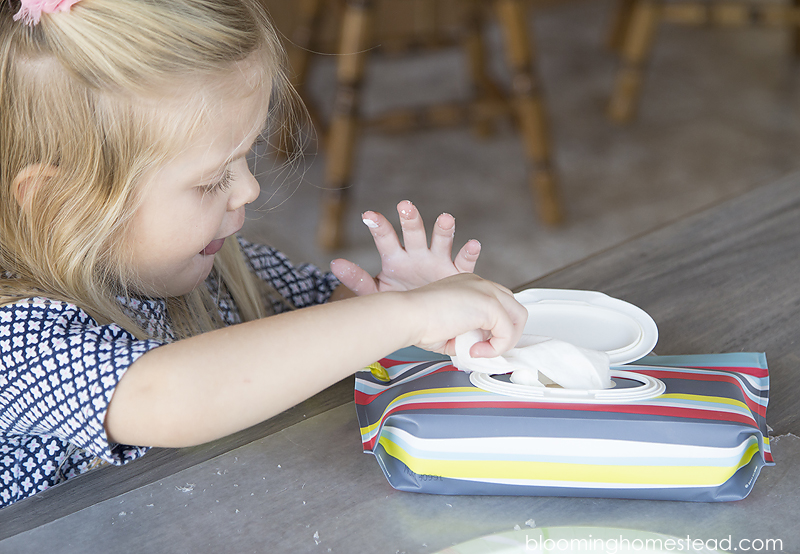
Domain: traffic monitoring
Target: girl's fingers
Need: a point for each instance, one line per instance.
(414, 237)
(442, 236)
(353, 277)
(465, 302)
(382, 232)
(467, 257)
(508, 327)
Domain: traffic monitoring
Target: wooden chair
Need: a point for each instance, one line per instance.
(355, 28)
(636, 22)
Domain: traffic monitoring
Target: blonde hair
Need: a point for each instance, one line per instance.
(79, 112)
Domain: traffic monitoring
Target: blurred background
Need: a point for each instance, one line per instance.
(717, 116)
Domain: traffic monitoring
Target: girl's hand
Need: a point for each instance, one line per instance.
(447, 308)
(412, 266)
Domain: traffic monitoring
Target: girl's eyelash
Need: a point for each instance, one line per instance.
(221, 185)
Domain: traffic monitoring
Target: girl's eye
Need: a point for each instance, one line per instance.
(222, 185)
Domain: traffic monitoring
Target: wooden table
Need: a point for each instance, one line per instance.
(723, 280)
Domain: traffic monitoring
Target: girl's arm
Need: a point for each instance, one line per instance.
(205, 387)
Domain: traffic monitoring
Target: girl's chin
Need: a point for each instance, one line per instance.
(191, 279)
(166, 280)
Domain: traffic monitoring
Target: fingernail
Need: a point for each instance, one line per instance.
(452, 221)
(371, 223)
(473, 246)
(407, 211)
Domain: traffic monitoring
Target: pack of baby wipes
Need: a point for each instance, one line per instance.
(580, 408)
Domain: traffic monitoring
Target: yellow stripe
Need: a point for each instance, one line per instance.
(585, 473)
(710, 399)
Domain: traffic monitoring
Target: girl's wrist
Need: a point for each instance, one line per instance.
(410, 308)
(402, 311)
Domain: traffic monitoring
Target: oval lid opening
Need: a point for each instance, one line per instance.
(646, 388)
(590, 320)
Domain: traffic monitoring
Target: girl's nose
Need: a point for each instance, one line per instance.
(245, 190)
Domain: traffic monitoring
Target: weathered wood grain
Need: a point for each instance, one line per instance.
(726, 279)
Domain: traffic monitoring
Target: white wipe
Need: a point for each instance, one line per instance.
(538, 361)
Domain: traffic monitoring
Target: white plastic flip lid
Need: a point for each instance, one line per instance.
(592, 320)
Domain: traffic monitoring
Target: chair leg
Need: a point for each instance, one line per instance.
(635, 50)
(425, 23)
(356, 26)
(620, 23)
(483, 88)
(530, 108)
(304, 38)
(304, 42)
(795, 30)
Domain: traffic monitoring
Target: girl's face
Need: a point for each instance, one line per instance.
(193, 202)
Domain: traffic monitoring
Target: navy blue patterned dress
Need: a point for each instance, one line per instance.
(59, 369)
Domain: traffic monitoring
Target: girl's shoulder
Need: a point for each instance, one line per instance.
(58, 371)
(40, 309)
(40, 319)
(45, 312)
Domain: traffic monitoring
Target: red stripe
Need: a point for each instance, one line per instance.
(754, 371)
(683, 413)
(363, 398)
(718, 378)
(388, 362)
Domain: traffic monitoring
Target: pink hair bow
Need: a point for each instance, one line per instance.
(31, 10)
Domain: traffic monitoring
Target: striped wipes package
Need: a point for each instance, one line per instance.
(697, 433)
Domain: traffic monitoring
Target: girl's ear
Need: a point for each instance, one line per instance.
(28, 181)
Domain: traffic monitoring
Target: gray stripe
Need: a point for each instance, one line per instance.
(437, 425)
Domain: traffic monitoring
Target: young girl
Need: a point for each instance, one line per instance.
(130, 313)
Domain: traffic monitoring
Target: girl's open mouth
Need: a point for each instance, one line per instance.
(213, 247)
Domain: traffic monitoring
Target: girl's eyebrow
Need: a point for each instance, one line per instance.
(219, 168)
(216, 169)
(243, 149)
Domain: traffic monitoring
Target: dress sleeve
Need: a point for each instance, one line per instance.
(58, 371)
(303, 285)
